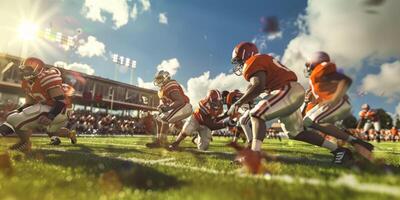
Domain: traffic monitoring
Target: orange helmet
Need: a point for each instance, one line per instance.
(214, 98)
(240, 54)
(31, 67)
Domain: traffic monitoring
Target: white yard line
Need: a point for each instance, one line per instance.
(349, 181)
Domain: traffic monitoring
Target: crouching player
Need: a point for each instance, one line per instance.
(240, 116)
(331, 102)
(174, 106)
(369, 118)
(45, 106)
(204, 120)
(283, 100)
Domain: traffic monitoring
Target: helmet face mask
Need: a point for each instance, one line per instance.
(240, 54)
(28, 73)
(237, 66)
(161, 78)
(215, 104)
(31, 67)
(308, 70)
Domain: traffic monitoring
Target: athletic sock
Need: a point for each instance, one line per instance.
(329, 145)
(256, 145)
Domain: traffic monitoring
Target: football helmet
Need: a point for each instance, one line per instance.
(161, 78)
(214, 98)
(315, 59)
(240, 54)
(365, 106)
(31, 67)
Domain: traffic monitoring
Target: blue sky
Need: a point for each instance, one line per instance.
(200, 34)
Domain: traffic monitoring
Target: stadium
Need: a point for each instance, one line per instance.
(146, 99)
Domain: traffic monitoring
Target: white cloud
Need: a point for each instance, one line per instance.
(197, 87)
(170, 66)
(348, 31)
(148, 85)
(145, 5)
(119, 9)
(91, 48)
(79, 67)
(162, 18)
(273, 36)
(134, 12)
(398, 109)
(386, 83)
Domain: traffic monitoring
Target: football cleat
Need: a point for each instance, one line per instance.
(55, 141)
(72, 137)
(22, 146)
(341, 155)
(174, 146)
(155, 144)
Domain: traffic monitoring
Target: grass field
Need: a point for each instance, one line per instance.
(122, 168)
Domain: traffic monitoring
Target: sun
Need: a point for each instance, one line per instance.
(27, 31)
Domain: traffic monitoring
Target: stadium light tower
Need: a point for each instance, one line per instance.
(27, 30)
(124, 61)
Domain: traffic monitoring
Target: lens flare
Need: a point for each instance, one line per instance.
(28, 30)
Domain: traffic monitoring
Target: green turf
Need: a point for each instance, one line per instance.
(122, 168)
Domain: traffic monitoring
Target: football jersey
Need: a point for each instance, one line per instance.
(277, 75)
(370, 115)
(205, 110)
(233, 97)
(164, 94)
(322, 88)
(38, 89)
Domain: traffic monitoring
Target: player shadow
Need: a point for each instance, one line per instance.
(107, 169)
(358, 165)
(109, 149)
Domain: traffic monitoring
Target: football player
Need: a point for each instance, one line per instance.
(174, 106)
(206, 118)
(330, 102)
(283, 100)
(67, 131)
(370, 118)
(240, 116)
(45, 106)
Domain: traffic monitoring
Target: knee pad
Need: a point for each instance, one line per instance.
(6, 129)
(308, 122)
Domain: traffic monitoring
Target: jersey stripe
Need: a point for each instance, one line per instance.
(49, 77)
(55, 80)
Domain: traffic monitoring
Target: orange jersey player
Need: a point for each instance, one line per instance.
(370, 117)
(45, 107)
(204, 119)
(241, 116)
(331, 104)
(283, 99)
(174, 106)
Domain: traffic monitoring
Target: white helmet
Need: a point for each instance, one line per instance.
(161, 78)
(315, 59)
